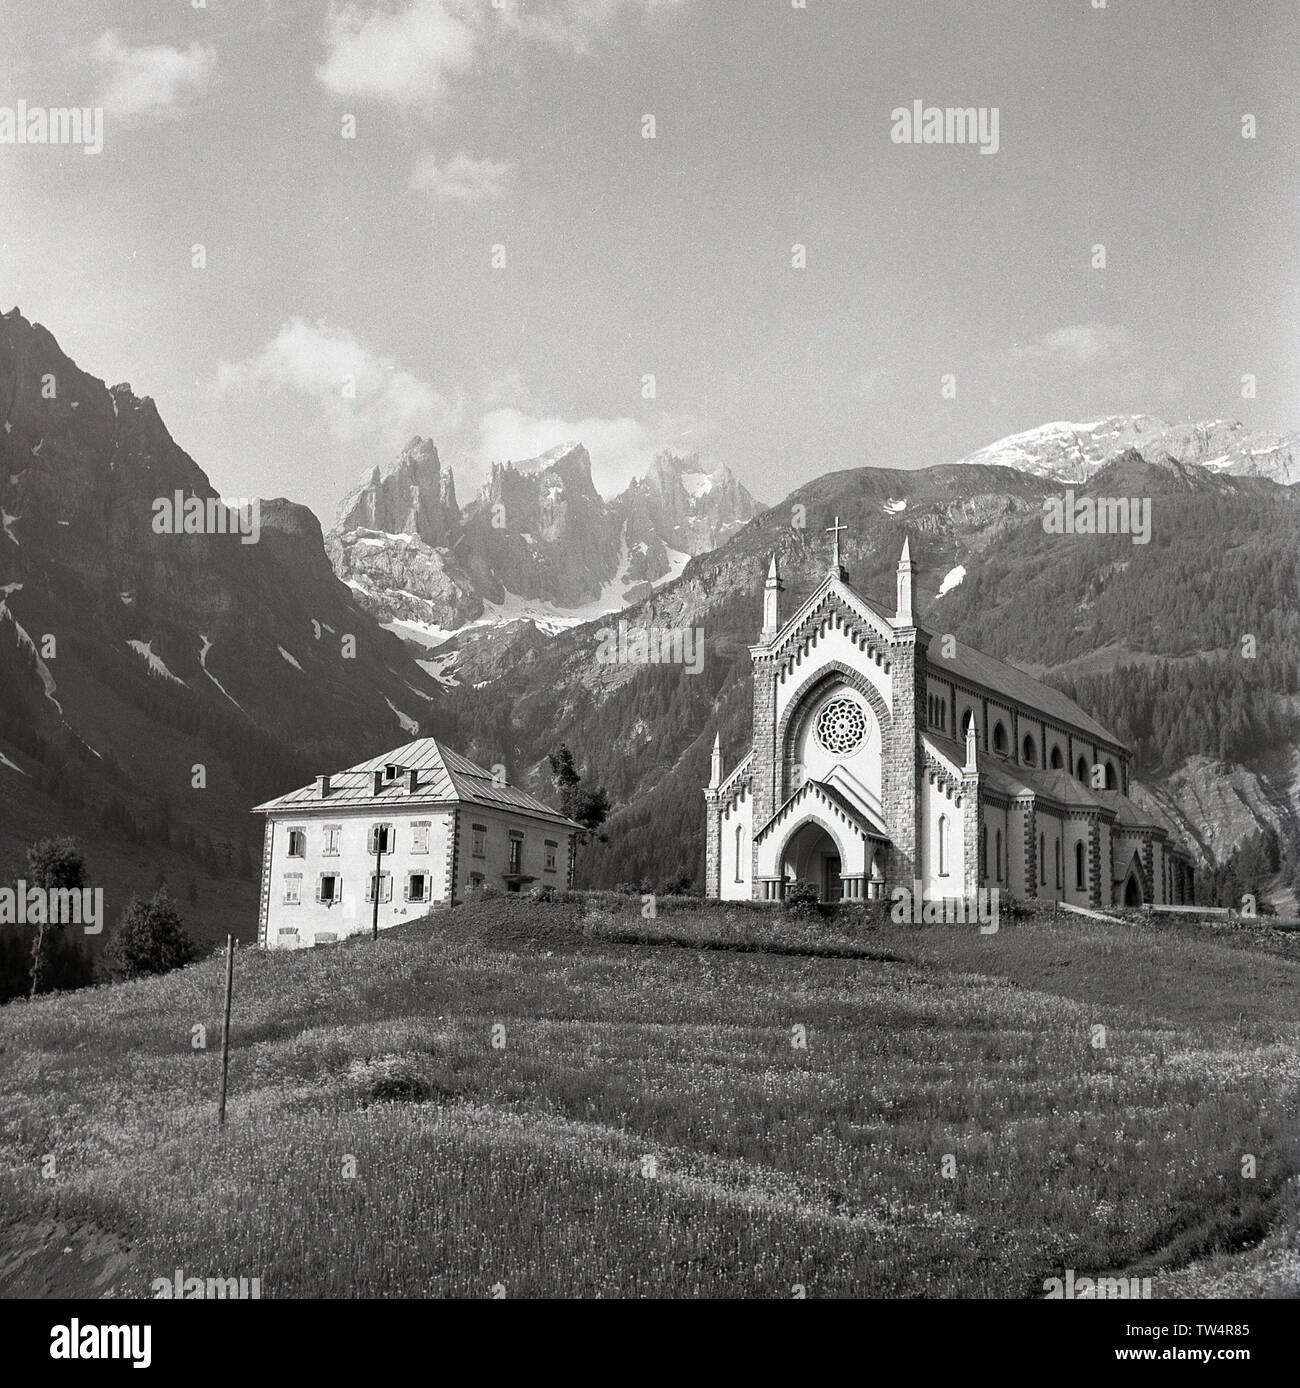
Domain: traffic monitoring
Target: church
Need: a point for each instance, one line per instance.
(885, 755)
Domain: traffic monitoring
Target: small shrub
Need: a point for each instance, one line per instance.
(150, 939)
(801, 899)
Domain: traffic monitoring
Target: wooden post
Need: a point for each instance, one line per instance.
(379, 883)
(225, 1028)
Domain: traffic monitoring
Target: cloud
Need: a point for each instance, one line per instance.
(408, 55)
(1103, 357)
(153, 80)
(463, 177)
(575, 24)
(620, 448)
(404, 56)
(1080, 344)
(510, 389)
(361, 394)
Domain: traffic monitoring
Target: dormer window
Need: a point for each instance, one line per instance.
(392, 771)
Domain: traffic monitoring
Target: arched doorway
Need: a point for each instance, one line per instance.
(812, 855)
(1133, 893)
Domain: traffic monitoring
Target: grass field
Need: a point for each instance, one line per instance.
(568, 1100)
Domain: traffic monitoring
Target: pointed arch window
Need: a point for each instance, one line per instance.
(997, 855)
(943, 845)
(740, 849)
(1080, 870)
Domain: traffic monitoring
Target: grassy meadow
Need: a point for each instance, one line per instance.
(565, 1099)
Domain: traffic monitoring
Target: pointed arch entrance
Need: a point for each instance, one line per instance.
(1134, 891)
(812, 855)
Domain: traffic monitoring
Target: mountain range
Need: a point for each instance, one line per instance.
(538, 542)
(154, 683)
(1069, 452)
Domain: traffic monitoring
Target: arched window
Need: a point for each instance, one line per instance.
(1110, 775)
(1081, 771)
(984, 854)
(1079, 872)
(997, 855)
(999, 739)
(740, 852)
(943, 845)
(1029, 751)
(1058, 865)
(1057, 760)
(1042, 859)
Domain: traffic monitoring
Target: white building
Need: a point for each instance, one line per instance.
(884, 755)
(420, 826)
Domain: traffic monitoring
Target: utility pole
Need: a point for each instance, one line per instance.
(225, 1028)
(379, 882)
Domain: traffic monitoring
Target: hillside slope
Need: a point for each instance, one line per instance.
(568, 1100)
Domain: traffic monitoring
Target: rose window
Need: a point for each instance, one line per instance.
(841, 726)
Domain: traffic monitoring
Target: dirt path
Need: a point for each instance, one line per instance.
(57, 1259)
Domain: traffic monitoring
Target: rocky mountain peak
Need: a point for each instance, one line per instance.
(413, 496)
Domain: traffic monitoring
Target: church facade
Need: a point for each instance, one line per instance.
(887, 756)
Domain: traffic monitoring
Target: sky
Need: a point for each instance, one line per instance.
(446, 219)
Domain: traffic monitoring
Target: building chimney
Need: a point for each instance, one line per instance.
(322, 786)
(412, 781)
(377, 778)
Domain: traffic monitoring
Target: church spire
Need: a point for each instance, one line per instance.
(772, 591)
(715, 766)
(970, 745)
(906, 579)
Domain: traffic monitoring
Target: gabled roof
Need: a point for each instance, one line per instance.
(974, 666)
(444, 778)
(977, 667)
(872, 613)
(812, 789)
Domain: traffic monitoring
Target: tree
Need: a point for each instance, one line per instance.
(150, 939)
(588, 807)
(52, 864)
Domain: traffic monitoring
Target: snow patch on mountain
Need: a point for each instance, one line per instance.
(697, 483)
(155, 662)
(42, 669)
(288, 657)
(407, 723)
(951, 579)
(203, 661)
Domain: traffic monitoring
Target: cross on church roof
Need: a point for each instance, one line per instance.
(834, 530)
